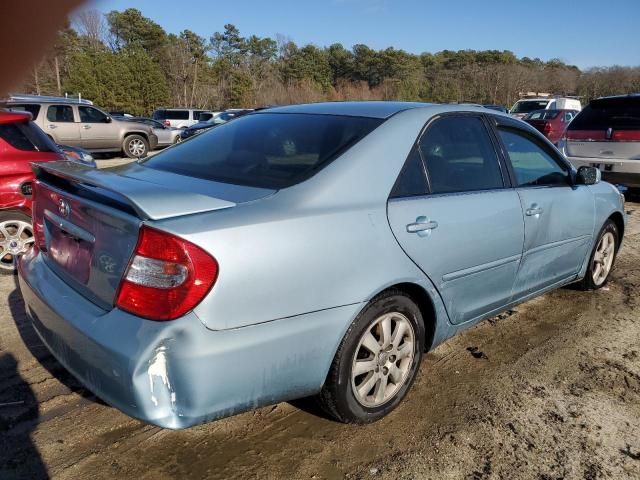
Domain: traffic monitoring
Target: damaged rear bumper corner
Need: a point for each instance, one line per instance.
(178, 374)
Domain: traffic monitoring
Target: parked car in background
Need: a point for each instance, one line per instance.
(21, 142)
(68, 122)
(166, 135)
(498, 108)
(527, 105)
(79, 155)
(305, 250)
(178, 117)
(120, 113)
(218, 119)
(205, 116)
(606, 135)
(551, 123)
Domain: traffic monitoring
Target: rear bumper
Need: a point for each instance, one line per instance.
(617, 171)
(178, 374)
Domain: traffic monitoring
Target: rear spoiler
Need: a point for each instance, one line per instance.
(148, 201)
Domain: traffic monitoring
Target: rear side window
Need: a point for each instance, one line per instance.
(412, 180)
(616, 113)
(532, 164)
(269, 150)
(26, 136)
(60, 113)
(32, 108)
(459, 156)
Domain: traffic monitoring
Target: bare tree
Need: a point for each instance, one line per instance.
(92, 25)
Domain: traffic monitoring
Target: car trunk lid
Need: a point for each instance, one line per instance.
(88, 220)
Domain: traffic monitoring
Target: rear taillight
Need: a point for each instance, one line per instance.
(547, 128)
(586, 135)
(167, 123)
(166, 278)
(626, 136)
(37, 220)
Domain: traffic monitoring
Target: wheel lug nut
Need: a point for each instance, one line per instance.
(385, 370)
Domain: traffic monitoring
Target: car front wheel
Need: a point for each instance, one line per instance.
(16, 238)
(377, 361)
(602, 258)
(135, 146)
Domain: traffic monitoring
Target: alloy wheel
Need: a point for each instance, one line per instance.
(603, 258)
(137, 147)
(16, 238)
(383, 359)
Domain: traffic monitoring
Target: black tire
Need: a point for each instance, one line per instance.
(135, 146)
(7, 268)
(588, 282)
(337, 397)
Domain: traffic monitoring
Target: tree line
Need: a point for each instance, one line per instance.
(126, 61)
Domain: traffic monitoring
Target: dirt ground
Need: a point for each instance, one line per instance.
(550, 390)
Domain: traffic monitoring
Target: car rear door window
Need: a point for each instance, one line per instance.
(412, 180)
(91, 115)
(460, 156)
(60, 114)
(532, 164)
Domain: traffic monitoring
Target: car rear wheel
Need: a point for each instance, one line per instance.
(135, 146)
(376, 362)
(602, 258)
(16, 238)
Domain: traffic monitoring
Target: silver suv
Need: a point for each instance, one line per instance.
(606, 135)
(82, 125)
(178, 117)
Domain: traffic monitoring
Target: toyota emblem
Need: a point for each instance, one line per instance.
(63, 208)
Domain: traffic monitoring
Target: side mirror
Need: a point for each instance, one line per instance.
(588, 176)
(108, 119)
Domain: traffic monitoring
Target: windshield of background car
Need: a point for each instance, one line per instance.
(268, 150)
(616, 113)
(542, 115)
(527, 106)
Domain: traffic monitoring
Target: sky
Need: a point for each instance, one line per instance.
(580, 32)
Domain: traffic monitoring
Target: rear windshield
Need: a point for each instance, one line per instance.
(26, 136)
(543, 115)
(615, 113)
(268, 150)
(171, 115)
(527, 106)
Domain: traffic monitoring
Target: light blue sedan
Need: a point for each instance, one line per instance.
(305, 250)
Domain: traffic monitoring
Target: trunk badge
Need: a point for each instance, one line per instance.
(63, 208)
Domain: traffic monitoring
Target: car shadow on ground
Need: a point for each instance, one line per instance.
(19, 458)
(39, 351)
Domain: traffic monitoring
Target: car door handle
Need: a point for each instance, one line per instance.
(422, 224)
(51, 125)
(86, 127)
(534, 210)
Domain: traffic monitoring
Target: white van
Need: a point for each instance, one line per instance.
(527, 105)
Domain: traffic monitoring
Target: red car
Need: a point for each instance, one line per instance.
(21, 142)
(552, 123)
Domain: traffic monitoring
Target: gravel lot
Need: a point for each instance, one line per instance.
(550, 390)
